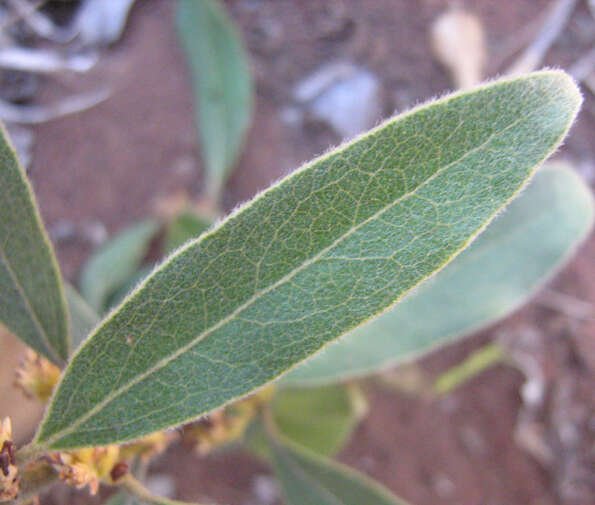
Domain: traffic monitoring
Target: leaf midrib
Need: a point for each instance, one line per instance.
(287, 277)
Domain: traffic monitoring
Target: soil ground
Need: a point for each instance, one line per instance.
(111, 163)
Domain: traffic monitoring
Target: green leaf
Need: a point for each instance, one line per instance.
(514, 256)
(255, 441)
(183, 227)
(320, 419)
(115, 262)
(309, 479)
(82, 317)
(319, 253)
(137, 277)
(222, 86)
(32, 303)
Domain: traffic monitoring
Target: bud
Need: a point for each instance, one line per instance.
(118, 471)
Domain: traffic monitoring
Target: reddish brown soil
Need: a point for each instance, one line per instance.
(111, 162)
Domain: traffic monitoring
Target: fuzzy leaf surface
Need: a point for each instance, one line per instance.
(309, 479)
(222, 85)
(495, 275)
(319, 253)
(32, 303)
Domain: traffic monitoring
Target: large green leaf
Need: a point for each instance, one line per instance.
(494, 276)
(115, 263)
(319, 253)
(32, 303)
(309, 479)
(222, 84)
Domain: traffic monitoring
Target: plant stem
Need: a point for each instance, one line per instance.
(268, 422)
(486, 357)
(28, 454)
(136, 489)
(34, 482)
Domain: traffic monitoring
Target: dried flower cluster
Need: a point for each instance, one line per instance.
(36, 376)
(227, 425)
(85, 467)
(9, 480)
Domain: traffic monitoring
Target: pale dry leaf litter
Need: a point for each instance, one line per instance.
(458, 42)
(345, 96)
(70, 49)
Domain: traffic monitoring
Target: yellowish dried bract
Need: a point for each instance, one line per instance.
(36, 376)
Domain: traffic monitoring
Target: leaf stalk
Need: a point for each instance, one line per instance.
(136, 489)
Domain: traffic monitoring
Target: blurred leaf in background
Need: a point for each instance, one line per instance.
(183, 227)
(508, 263)
(223, 90)
(115, 263)
(309, 479)
(82, 317)
(320, 419)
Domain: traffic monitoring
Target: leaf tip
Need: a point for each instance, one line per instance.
(568, 87)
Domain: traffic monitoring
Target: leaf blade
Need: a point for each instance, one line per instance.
(320, 419)
(209, 326)
(310, 479)
(495, 275)
(223, 86)
(32, 304)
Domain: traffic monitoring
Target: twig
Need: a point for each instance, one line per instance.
(27, 454)
(34, 482)
(44, 60)
(486, 357)
(567, 304)
(20, 9)
(513, 44)
(33, 114)
(38, 22)
(136, 489)
(584, 66)
(589, 82)
(554, 24)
